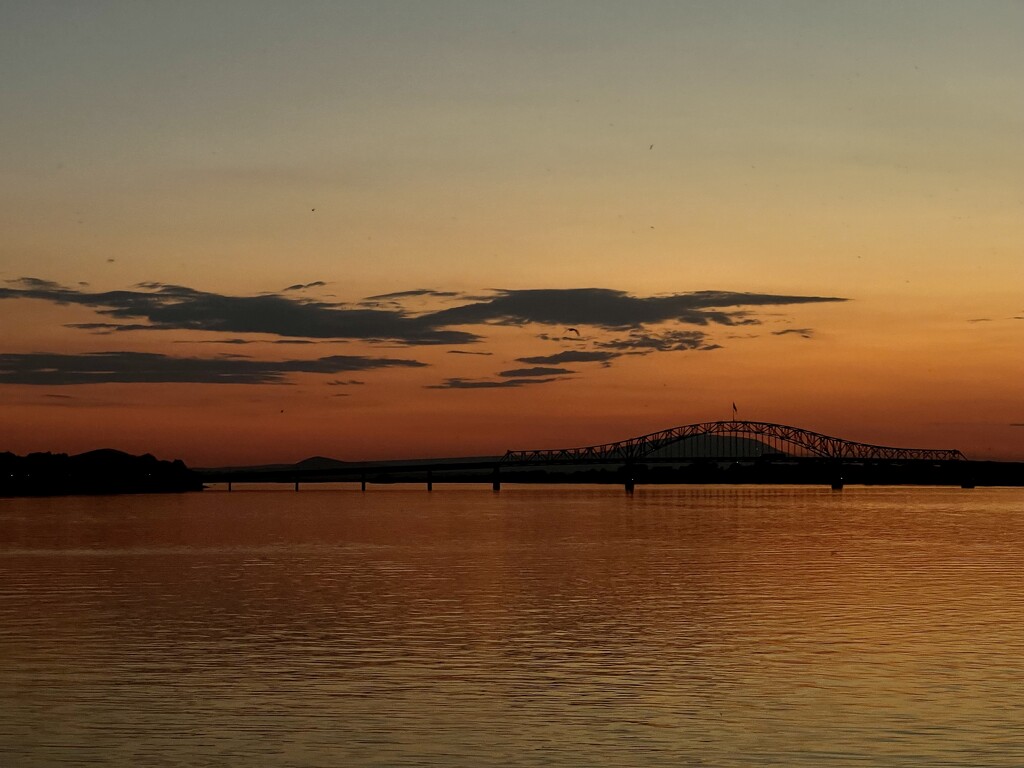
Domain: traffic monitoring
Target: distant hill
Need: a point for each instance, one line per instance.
(319, 462)
(312, 463)
(103, 471)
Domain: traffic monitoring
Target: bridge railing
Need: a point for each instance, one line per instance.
(773, 436)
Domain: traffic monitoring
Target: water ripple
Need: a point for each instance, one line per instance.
(535, 627)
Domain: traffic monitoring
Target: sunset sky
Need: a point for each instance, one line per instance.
(241, 231)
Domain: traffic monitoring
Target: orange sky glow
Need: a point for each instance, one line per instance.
(252, 233)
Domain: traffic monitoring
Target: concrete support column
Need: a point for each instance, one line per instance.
(496, 480)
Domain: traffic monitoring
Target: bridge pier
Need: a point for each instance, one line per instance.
(430, 481)
(967, 477)
(296, 486)
(496, 480)
(362, 482)
(229, 486)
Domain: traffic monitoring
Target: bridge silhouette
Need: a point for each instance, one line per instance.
(712, 451)
(777, 439)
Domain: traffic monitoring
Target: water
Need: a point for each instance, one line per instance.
(540, 626)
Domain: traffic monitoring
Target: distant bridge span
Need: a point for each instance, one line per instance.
(777, 439)
(752, 451)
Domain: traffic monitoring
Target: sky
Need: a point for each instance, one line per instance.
(245, 232)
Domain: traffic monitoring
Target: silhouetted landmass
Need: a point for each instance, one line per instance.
(97, 472)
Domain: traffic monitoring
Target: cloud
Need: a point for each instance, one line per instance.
(519, 373)
(345, 383)
(611, 309)
(803, 333)
(411, 294)
(214, 341)
(552, 337)
(303, 286)
(104, 329)
(570, 356)
(467, 352)
(143, 367)
(643, 343)
(487, 384)
(175, 307)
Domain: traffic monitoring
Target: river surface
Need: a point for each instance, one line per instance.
(537, 626)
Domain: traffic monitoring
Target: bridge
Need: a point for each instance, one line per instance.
(712, 451)
(775, 439)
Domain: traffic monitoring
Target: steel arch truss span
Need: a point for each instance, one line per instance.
(770, 439)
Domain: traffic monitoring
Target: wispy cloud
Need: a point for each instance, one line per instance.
(520, 373)
(144, 367)
(487, 383)
(803, 333)
(174, 307)
(670, 341)
(215, 341)
(412, 294)
(611, 309)
(584, 325)
(570, 356)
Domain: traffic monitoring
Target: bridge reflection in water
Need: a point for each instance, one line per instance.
(708, 452)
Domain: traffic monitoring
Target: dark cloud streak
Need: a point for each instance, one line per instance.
(570, 356)
(175, 307)
(148, 368)
(644, 343)
(488, 384)
(522, 373)
(611, 309)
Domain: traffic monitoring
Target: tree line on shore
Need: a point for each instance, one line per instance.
(95, 472)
